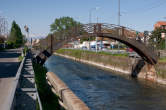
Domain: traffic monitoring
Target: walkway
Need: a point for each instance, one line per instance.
(9, 64)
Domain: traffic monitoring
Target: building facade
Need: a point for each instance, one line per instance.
(160, 24)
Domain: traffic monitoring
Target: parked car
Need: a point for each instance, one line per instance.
(84, 48)
(129, 50)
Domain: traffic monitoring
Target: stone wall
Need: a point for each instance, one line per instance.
(120, 64)
(67, 98)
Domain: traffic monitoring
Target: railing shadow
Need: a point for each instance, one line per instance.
(25, 100)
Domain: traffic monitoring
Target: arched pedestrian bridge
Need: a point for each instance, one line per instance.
(126, 36)
(119, 33)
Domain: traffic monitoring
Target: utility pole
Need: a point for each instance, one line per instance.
(3, 26)
(96, 35)
(90, 15)
(119, 12)
(118, 20)
(27, 30)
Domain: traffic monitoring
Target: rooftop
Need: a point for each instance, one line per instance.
(161, 22)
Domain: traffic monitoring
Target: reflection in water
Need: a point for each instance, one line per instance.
(103, 90)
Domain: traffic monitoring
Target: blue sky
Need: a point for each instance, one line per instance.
(39, 14)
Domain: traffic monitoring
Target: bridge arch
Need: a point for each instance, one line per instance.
(140, 48)
(124, 35)
(119, 33)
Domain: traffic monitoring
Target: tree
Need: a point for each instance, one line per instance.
(16, 37)
(65, 27)
(63, 23)
(156, 40)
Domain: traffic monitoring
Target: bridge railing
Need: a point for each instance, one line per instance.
(113, 29)
(120, 33)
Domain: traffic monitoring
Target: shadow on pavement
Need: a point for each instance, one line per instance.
(9, 55)
(8, 69)
(25, 100)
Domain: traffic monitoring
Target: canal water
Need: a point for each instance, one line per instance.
(104, 90)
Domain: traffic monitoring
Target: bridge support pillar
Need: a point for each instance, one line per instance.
(143, 70)
(137, 66)
(150, 72)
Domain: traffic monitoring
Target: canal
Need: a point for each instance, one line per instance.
(104, 90)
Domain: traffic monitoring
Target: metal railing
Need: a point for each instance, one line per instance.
(38, 98)
(15, 86)
(12, 102)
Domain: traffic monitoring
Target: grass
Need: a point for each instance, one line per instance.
(37, 105)
(48, 99)
(108, 53)
(120, 60)
(162, 59)
(161, 68)
(78, 52)
(25, 50)
(117, 60)
(20, 58)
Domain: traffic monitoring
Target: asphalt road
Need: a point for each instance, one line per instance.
(9, 64)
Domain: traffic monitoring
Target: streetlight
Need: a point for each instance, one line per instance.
(119, 12)
(96, 36)
(27, 30)
(90, 12)
(118, 20)
(90, 17)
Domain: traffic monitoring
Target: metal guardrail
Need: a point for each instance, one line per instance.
(38, 98)
(15, 86)
(67, 98)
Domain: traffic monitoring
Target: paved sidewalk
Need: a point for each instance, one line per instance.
(9, 64)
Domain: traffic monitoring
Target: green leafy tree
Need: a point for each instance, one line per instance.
(63, 23)
(65, 27)
(16, 38)
(156, 40)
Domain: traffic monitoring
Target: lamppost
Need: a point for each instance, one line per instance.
(96, 36)
(118, 20)
(27, 30)
(119, 12)
(90, 17)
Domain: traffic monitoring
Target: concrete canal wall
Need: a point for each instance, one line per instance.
(122, 66)
(67, 98)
